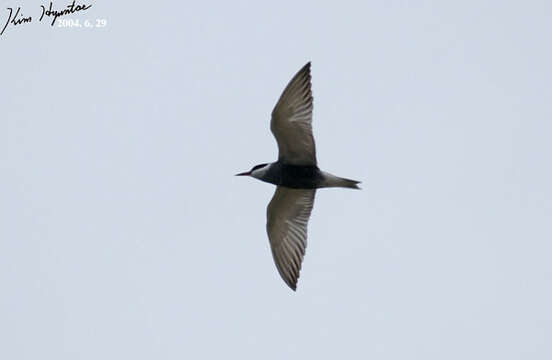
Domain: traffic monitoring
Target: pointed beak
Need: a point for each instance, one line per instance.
(244, 173)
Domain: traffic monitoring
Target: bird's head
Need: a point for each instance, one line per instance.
(257, 171)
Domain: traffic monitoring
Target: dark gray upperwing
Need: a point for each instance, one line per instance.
(291, 121)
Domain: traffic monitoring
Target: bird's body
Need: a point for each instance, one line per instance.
(296, 175)
(300, 176)
(292, 176)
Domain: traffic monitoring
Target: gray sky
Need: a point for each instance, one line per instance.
(123, 233)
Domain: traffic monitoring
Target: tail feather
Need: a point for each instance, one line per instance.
(336, 181)
(351, 184)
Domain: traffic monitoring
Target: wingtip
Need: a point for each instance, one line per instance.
(292, 282)
(293, 287)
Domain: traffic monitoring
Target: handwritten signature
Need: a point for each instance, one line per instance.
(19, 19)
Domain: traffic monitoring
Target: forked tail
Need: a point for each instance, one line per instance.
(336, 181)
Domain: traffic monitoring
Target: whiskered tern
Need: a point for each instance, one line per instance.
(296, 176)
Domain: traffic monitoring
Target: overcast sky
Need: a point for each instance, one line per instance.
(125, 235)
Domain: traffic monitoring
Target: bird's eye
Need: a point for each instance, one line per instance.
(258, 167)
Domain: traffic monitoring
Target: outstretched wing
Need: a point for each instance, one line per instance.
(291, 121)
(288, 215)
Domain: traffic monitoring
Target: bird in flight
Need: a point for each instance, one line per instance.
(296, 176)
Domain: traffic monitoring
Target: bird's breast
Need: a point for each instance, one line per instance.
(294, 176)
